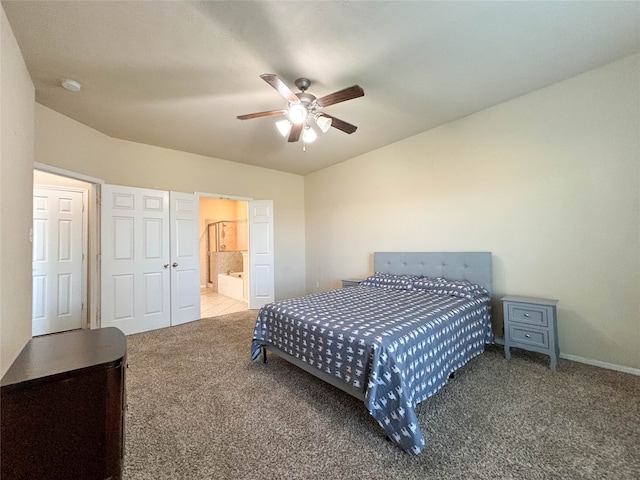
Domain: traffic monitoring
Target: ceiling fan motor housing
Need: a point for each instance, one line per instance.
(306, 97)
(307, 101)
(303, 84)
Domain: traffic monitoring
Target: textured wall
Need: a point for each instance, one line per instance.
(16, 197)
(549, 182)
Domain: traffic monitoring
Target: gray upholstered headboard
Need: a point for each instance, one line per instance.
(473, 266)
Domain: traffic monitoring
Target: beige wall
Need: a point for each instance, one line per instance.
(50, 179)
(16, 173)
(64, 143)
(549, 182)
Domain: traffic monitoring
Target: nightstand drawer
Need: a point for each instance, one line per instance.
(536, 338)
(529, 314)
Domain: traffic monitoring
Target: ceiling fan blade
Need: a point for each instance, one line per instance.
(341, 124)
(268, 113)
(273, 80)
(341, 96)
(296, 130)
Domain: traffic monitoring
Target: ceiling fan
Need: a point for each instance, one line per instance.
(303, 106)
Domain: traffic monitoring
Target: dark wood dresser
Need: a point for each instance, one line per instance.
(62, 407)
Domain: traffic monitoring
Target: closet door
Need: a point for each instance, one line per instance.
(185, 258)
(135, 259)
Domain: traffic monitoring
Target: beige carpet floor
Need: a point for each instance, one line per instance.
(198, 408)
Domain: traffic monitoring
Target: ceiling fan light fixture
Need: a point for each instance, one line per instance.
(284, 127)
(303, 105)
(309, 135)
(298, 113)
(324, 123)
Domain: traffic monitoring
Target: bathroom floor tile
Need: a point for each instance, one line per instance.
(212, 304)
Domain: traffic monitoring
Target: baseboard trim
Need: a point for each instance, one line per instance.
(589, 361)
(598, 363)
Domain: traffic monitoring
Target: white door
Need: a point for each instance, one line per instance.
(261, 268)
(185, 258)
(57, 260)
(135, 259)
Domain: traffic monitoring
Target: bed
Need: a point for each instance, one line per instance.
(394, 340)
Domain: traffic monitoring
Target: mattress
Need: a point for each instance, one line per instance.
(398, 346)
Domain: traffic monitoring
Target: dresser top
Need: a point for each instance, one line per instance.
(534, 300)
(54, 356)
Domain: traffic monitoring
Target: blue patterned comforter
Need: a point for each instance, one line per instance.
(397, 346)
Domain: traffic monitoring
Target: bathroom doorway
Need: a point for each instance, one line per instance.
(224, 256)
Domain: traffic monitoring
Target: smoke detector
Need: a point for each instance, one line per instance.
(71, 85)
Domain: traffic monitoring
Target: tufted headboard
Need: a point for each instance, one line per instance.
(473, 266)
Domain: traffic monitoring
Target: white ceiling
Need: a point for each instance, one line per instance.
(176, 74)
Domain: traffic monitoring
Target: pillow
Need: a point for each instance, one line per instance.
(388, 280)
(423, 280)
(426, 283)
(455, 288)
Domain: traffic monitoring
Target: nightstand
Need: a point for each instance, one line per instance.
(351, 282)
(531, 324)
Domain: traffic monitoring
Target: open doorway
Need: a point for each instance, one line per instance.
(224, 256)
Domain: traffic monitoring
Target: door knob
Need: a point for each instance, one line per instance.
(166, 265)
(174, 264)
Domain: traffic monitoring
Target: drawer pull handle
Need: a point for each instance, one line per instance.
(526, 315)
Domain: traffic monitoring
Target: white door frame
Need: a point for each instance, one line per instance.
(93, 232)
(242, 199)
(200, 195)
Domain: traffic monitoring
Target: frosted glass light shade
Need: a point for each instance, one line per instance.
(284, 127)
(298, 113)
(324, 123)
(309, 135)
